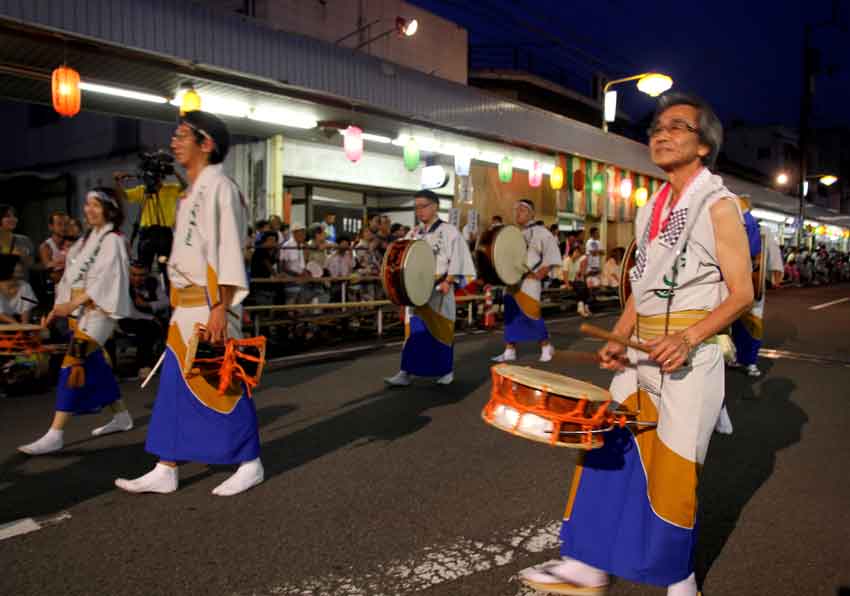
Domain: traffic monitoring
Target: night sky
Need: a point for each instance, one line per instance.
(744, 57)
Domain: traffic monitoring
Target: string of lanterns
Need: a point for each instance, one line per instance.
(66, 97)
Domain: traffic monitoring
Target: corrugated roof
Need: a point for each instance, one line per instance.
(244, 47)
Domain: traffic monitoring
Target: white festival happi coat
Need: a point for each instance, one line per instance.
(688, 241)
(207, 249)
(98, 264)
(543, 251)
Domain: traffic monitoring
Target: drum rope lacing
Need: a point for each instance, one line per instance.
(229, 367)
(602, 420)
(20, 342)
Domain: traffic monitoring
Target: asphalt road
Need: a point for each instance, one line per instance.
(376, 491)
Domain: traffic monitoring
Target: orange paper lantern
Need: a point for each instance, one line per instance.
(66, 91)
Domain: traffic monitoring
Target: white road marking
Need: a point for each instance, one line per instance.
(431, 566)
(828, 304)
(29, 524)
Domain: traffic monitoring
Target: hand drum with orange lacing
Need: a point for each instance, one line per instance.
(227, 365)
(22, 355)
(550, 408)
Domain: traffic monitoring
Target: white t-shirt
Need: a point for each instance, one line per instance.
(292, 257)
(593, 261)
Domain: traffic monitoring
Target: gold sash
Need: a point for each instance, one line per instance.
(188, 297)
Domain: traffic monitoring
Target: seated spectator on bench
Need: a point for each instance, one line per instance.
(574, 273)
(611, 269)
(17, 298)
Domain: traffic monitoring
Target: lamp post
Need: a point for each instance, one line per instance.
(651, 83)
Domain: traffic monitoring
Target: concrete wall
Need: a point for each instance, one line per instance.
(439, 47)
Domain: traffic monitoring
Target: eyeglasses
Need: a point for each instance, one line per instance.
(675, 127)
(420, 206)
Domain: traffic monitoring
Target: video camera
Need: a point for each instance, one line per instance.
(154, 166)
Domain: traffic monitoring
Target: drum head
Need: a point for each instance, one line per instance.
(552, 382)
(509, 255)
(418, 270)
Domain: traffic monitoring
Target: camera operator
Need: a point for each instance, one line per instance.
(159, 203)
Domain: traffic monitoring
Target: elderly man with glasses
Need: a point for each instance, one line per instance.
(632, 508)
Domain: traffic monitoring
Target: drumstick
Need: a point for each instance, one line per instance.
(153, 370)
(595, 331)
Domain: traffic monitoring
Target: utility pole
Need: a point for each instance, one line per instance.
(809, 57)
(811, 67)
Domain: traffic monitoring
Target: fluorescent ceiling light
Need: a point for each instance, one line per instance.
(376, 138)
(369, 137)
(117, 92)
(769, 215)
(490, 157)
(283, 117)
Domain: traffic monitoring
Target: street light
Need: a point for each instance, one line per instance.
(403, 27)
(825, 179)
(651, 83)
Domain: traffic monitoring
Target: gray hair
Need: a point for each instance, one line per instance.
(710, 129)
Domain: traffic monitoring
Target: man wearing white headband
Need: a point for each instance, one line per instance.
(191, 420)
(523, 318)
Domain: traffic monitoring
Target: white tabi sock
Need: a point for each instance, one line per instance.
(509, 355)
(122, 421)
(566, 571)
(50, 442)
(250, 473)
(162, 479)
(686, 587)
(724, 423)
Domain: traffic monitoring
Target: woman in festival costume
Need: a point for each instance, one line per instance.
(94, 294)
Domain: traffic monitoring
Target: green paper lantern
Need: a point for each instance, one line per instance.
(598, 183)
(411, 154)
(506, 169)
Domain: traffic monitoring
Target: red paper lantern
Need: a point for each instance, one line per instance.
(353, 143)
(578, 180)
(66, 91)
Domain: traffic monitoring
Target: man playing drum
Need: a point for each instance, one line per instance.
(430, 329)
(523, 319)
(631, 511)
(191, 420)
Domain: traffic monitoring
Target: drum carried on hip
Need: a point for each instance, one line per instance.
(501, 256)
(550, 408)
(625, 266)
(408, 272)
(225, 366)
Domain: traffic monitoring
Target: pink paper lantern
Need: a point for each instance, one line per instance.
(535, 175)
(353, 143)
